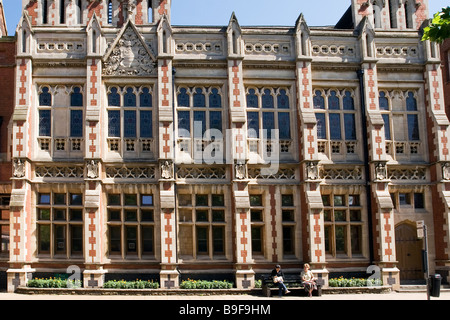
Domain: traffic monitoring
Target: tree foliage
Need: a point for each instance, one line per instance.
(439, 29)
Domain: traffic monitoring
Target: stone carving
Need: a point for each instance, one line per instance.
(312, 171)
(240, 170)
(19, 169)
(446, 171)
(129, 57)
(92, 169)
(167, 170)
(380, 171)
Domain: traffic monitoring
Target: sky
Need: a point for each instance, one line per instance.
(248, 12)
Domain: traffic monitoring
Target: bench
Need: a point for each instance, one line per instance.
(292, 281)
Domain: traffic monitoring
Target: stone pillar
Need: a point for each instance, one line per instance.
(169, 275)
(313, 240)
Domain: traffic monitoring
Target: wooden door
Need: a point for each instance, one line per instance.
(409, 252)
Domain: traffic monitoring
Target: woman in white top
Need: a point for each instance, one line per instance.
(308, 279)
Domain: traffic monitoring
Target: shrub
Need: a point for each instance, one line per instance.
(53, 283)
(204, 284)
(353, 282)
(138, 284)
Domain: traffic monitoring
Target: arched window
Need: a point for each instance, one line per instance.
(76, 98)
(45, 98)
(215, 101)
(283, 100)
(267, 99)
(199, 98)
(348, 101)
(252, 99)
(146, 98)
(318, 100)
(411, 102)
(114, 98)
(129, 98)
(183, 98)
(333, 101)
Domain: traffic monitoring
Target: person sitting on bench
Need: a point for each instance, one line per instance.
(278, 277)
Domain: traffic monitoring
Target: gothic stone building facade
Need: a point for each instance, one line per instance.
(157, 151)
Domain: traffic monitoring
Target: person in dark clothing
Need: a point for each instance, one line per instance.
(278, 277)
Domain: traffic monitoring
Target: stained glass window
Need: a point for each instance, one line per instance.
(333, 101)
(283, 100)
(284, 126)
(411, 103)
(268, 124)
(383, 101)
(45, 123)
(129, 98)
(253, 124)
(76, 98)
(45, 98)
(252, 99)
(146, 124)
(413, 127)
(184, 125)
(199, 119)
(145, 98)
(387, 128)
(199, 98)
(183, 98)
(318, 100)
(335, 126)
(348, 101)
(321, 126)
(114, 98)
(215, 120)
(129, 124)
(349, 126)
(267, 99)
(76, 123)
(113, 123)
(215, 100)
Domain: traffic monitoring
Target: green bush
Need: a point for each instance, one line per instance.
(203, 284)
(138, 284)
(53, 283)
(342, 282)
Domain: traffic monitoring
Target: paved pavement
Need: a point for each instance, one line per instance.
(416, 296)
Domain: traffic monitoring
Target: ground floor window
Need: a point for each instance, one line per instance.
(343, 224)
(131, 225)
(202, 223)
(257, 224)
(60, 224)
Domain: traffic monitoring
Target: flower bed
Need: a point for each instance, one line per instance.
(53, 283)
(342, 282)
(203, 284)
(138, 284)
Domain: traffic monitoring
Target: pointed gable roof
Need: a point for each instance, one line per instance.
(129, 54)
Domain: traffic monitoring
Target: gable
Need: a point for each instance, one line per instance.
(129, 55)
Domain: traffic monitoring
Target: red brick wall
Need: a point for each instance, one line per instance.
(7, 77)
